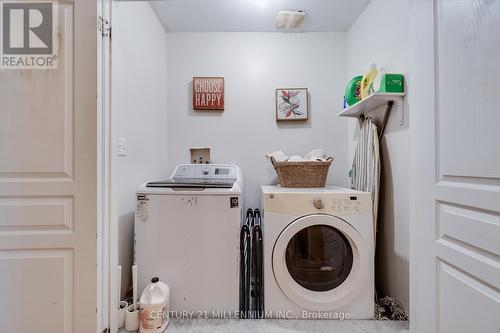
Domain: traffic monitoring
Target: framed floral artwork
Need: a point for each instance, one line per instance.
(291, 104)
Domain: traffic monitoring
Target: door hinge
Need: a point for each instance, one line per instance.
(104, 27)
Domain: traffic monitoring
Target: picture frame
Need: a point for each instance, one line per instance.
(208, 93)
(292, 104)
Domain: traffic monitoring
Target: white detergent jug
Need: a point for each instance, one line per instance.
(154, 302)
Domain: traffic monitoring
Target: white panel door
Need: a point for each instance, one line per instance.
(48, 185)
(455, 134)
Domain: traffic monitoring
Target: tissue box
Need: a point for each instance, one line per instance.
(392, 83)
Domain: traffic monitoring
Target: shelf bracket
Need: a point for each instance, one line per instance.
(399, 106)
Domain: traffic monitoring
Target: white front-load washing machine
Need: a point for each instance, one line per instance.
(187, 234)
(318, 253)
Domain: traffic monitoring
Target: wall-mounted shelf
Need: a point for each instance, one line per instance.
(372, 102)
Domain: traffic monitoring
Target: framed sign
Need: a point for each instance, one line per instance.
(291, 104)
(208, 93)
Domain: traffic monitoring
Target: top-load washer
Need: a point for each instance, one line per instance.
(318, 253)
(187, 234)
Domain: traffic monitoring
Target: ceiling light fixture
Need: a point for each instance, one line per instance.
(287, 19)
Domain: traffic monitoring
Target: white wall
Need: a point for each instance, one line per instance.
(380, 35)
(138, 111)
(254, 65)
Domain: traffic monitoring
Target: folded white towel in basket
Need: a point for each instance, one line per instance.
(295, 158)
(313, 155)
(278, 156)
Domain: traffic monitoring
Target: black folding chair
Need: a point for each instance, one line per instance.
(245, 257)
(257, 266)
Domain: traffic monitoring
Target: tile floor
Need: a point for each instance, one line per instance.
(284, 326)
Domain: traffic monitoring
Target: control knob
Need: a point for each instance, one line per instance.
(318, 203)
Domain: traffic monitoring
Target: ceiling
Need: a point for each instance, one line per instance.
(254, 15)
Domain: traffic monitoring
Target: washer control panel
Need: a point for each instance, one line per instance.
(204, 171)
(342, 204)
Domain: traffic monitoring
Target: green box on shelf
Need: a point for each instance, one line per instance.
(392, 83)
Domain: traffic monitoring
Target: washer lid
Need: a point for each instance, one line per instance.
(193, 183)
(200, 175)
(235, 190)
(320, 262)
(198, 179)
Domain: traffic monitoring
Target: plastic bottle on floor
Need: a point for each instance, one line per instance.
(154, 302)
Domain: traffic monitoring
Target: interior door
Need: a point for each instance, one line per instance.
(48, 185)
(455, 213)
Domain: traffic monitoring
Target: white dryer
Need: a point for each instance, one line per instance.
(318, 253)
(187, 234)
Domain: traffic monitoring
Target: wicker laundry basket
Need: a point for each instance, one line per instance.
(302, 174)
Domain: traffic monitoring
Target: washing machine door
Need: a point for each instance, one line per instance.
(320, 262)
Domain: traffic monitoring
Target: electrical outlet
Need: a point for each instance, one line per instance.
(122, 146)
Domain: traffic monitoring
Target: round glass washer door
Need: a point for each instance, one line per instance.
(320, 262)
